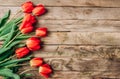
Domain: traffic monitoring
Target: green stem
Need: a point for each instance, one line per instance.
(12, 40)
(15, 15)
(18, 22)
(17, 65)
(7, 59)
(3, 37)
(26, 71)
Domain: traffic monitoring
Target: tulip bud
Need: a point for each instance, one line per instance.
(45, 70)
(36, 62)
(21, 52)
(33, 43)
(39, 10)
(27, 7)
(42, 32)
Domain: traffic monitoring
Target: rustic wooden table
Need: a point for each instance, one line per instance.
(84, 37)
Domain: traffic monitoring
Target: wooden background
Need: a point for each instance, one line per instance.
(84, 37)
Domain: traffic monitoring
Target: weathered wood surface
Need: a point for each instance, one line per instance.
(88, 3)
(83, 40)
(73, 13)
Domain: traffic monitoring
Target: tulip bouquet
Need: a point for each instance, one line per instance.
(14, 51)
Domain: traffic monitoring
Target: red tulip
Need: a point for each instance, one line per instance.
(36, 62)
(27, 7)
(33, 43)
(21, 52)
(45, 70)
(29, 18)
(26, 28)
(39, 10)
(42, 32)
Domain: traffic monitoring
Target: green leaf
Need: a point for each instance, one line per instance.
(20, 45)
(6, 77)
(11, 34)
(14, 61)
(8, 73)
(7, 28)
(16, 76)
(26, 75)
(23, 37)
(4, 37)
(18, 19)
(14, 43)
(4, 19)
(2, 50)
(8, 53)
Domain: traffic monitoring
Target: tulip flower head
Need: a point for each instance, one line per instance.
(29, 18)
(45, 70)
(42, 31)
(21, 52)
(27, 23)
(39, 10)
(36, 62)
(27, 7)
(33, 43)
(26, 28)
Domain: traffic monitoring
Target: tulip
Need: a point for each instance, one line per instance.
(42, 32)
(29, 18)
(39, 10)
(33, 43)
(27, 7)
(26, 28)
(21, 52)
(45, 70)
(26, 25)
(36, 62)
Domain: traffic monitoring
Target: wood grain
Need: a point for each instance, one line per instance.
(73, 51)
(73, 13)
(56, 75)
(82, 38)
(88, 3)
(83, 64)
(78, 75)
(81, 25)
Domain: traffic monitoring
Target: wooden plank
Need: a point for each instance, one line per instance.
(82, 28)
(88, 3)
(81, 25)
(68, 51)
(85, 67)
(56, 75)
(63, 13)
(82, 38)
(80, 22)
(77, 75)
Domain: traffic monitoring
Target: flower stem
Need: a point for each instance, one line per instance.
(7, 59)
(14, 15)
(18, 22)
(26, 71)
(17, 65)
(12, 40)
